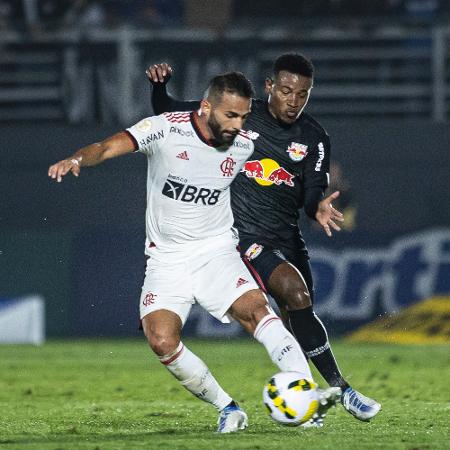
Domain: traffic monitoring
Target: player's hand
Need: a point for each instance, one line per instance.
(159, 73)
(61, 168)
(327, 215)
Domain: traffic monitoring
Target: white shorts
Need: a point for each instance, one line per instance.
(214, 280)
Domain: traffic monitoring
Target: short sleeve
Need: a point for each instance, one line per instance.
(148, 134)
(317, 164)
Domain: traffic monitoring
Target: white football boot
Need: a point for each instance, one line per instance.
(232, 419)
(360, 406)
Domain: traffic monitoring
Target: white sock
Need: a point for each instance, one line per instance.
(282, 347)
(193, 374)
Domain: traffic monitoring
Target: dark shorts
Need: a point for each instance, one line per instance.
(266, 258)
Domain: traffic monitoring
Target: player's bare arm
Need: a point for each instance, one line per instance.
(159, 73)
(327, 215)
(91, 155)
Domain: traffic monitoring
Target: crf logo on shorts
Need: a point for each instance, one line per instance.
(149, 299)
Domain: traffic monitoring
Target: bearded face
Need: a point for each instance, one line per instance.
(223, 132)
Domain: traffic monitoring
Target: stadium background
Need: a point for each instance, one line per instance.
(73, 72)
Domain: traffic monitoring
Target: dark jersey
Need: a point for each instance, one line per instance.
(270, 189)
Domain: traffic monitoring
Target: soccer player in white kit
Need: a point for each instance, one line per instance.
(191, 247)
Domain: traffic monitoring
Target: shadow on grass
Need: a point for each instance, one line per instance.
(71, 437)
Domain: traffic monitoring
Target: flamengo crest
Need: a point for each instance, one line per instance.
(227, 167)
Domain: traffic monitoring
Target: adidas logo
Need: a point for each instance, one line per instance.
(183, 155)
(240, 282)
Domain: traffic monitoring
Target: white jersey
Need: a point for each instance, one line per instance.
(188, 195)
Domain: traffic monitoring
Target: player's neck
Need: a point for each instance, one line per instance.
(200, 124)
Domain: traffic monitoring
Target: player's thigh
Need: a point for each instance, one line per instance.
(219, 281)
(281, 271)
(250, 308)
(166, 287)
(263, 259)
(287, 286)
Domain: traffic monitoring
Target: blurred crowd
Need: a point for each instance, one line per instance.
(49, 15)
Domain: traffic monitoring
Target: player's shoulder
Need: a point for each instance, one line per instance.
(258, 105)
(149, 126)
(177, 117)
(307, 121)
(246, 135)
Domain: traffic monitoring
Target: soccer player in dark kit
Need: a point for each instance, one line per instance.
(287, 171)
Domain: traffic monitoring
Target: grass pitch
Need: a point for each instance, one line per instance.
(116, 395)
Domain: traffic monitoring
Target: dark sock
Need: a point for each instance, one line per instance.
(312, 337)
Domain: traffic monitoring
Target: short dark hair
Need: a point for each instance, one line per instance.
(231, 82)
(294, 63)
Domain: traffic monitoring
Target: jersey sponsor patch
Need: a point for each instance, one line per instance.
(190, 194)
(267, 172)
(240, 144)
(297, 151)
(253, 251)
(321, 156)
(144, 125)
(146, 143)
(184, 133)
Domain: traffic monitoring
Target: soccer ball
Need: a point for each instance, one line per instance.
(290, 398)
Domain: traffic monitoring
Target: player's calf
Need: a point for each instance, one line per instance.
(282, 347)
(255, 314)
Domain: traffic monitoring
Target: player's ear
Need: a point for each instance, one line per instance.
(268, 85)
(205, 107)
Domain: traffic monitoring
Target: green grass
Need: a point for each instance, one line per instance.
(116, 395)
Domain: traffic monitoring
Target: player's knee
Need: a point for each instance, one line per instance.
(298, 299)
(260, 310)
(162, 329)
(162, 344)
(249, 309)
(293, 295)
(288, 288)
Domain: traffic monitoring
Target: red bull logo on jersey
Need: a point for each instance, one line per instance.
(253, 251)
(297, 151)
(267, 172)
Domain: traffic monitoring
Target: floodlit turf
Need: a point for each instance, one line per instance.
(115, 395)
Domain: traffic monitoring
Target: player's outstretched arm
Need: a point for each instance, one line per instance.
(91, 155)
(327, 215)
(159, 75)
